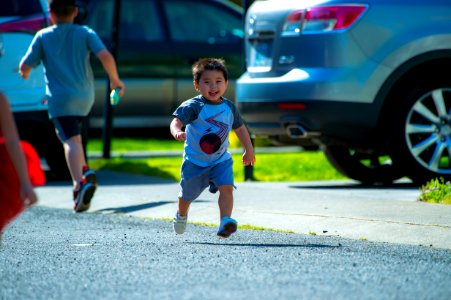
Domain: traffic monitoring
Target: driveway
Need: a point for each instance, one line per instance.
(334, 208)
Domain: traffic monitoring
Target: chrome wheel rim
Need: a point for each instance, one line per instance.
(428, 131)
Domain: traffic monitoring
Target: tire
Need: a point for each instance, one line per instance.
(421, 135)
(368, 168)
(54, 155)
(53, 152)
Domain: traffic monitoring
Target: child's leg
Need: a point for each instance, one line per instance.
(181, 218)
(225, 200)
(68, 129)
(183, 207)
(75, 158)
(227, 225)
(194, 181)
(222, 179)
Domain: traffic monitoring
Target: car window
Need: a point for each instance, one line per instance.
(203, 25)
(19, 8)
(139, 21)
(100, 18)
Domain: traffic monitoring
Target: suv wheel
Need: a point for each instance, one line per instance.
(421, 139)
(54, 155)
(368, 168)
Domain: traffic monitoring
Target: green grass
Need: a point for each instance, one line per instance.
(244, 227)
(276, 167)
(165, 167)
(299, 166)
(123, 145)
(436, 191)
(302, 166)
(251, 227)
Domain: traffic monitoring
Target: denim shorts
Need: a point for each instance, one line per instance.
(67, 127)
(196, 179)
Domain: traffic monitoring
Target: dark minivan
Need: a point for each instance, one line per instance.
(158, 42)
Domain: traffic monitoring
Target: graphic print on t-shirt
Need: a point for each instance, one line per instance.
(211, 141)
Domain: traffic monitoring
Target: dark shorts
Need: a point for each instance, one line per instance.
(67, 127)
(196, 179)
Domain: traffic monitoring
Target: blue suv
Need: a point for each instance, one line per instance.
(368, 81)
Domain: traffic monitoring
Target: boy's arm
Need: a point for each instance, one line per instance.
(245, 139)
(109, 64)
(24, 70)
(32, 57)
(176, 130)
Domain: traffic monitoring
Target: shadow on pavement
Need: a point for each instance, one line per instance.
(267, 245)
(133, 208)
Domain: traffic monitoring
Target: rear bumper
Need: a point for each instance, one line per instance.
(38, 117)
(331, 84)
(323, 120)
(325, 102)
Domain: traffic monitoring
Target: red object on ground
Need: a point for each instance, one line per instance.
(37, 176)
(10, 203)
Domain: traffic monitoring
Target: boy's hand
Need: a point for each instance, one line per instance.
(118, 83)
(243, 136)
(24, 71)
(24, 75)
(180, 136)
(28, 195)
(249, 158)
(176, 130)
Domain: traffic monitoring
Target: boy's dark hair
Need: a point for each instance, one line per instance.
(211, 64)
(62, 8)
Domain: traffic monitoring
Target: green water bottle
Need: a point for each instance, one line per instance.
(114, 96)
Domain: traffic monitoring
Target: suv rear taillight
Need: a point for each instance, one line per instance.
(29, 25)
(322, 19)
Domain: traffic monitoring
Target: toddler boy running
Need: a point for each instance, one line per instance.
(208, 119)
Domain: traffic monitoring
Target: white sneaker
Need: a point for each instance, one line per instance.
(180, 223)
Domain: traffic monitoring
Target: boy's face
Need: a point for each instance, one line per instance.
(212, 85)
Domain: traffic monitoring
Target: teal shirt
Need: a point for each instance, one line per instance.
(64, 49)
(207, 129)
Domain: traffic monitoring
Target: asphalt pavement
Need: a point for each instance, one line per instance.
(322, 208)
(51, 253)
(349, 242)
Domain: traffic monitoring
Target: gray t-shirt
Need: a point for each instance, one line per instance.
(64, 49)
(207, 129)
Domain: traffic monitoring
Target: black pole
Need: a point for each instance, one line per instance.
(248, 170)
(108, 108)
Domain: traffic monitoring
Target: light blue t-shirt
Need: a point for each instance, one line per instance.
(207, 127)
(64, 49)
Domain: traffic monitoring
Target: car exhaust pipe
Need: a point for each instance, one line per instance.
(296, 131)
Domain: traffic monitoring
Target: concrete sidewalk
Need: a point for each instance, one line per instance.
(338, 208)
